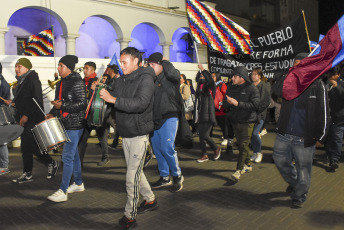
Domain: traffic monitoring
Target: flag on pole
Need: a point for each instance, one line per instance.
(210, 27)
(40, 44)
(328, 53)
(114, 60)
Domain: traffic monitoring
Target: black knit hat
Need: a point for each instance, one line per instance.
(69, 61)
(155, 58)
(242, 72)
(301, 56)
(114, 67)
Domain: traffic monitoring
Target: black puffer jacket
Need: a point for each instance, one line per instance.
(248, 97)
(134, 103)
(73, 101)
(204, 100)
(167, 102)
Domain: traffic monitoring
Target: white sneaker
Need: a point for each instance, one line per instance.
(259, 158)
(75, 188)
(224, 142)
(236, 175)
(263, 132)
(253, 157)
(246, 169)
(58, 196)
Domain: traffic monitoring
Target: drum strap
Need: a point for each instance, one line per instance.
(64, 114)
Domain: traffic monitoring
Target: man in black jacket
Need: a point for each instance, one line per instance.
(334, 140)
(69, 105)
(302, 124)
(29, 87)
(90, 77)
(167, 105)
(242, 101)
(133, 98)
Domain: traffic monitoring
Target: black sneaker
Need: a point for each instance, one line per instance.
(162, 182)
(333, 165)
(148, 157)
(104, 161)
(52, 169)
(147, 206)
(126, 223)
(289, 189)
(177, 183)
(229, 150)
(295, 204)
(25, 177)
(113, 146)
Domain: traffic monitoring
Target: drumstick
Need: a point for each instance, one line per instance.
(39, 106)
(3, 99)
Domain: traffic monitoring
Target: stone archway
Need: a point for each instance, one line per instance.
(31, 20)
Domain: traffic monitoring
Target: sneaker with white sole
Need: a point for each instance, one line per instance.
(25, 177)
(253, 157)
(259, 158)
(52, 169)
(246, 168)
(58, 196)
(224, 142)
(236, 175)
(4, 171)
(76, 188)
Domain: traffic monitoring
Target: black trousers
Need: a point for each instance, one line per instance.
(204, 137)
(102, 134)
(29, 148)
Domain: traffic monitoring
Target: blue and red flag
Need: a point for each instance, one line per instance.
(328, 53)
(210, 27)
(39, 45)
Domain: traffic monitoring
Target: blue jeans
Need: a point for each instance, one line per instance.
(3, 156)
(256, 141)
(71, 160)
(334, 142)
(288, 148)
(163, 148)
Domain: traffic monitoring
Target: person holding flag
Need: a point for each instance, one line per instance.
(298, 132)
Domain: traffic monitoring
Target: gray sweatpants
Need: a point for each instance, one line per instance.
(134, 151)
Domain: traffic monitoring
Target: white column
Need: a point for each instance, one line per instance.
(123, 43)
(3, 31)
(166, 49)
(202, 54)
(70, 43)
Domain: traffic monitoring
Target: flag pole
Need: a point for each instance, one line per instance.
(304, 19)
(195, 44)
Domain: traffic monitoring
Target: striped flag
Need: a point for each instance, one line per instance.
(210, 27)
(40, 44)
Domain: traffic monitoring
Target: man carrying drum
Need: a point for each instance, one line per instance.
(29, 87)
(69, 105)
(90, 77)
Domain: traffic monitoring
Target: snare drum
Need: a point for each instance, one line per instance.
(9, 128)
(50, 134)
(98, 108)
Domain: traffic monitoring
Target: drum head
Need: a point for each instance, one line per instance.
(9, 133)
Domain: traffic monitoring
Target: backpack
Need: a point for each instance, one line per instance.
(218, 97)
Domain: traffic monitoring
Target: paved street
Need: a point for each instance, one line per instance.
(209, 200)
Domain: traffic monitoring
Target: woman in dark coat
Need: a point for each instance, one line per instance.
(205, 112)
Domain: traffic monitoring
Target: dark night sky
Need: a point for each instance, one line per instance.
(329, 13)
